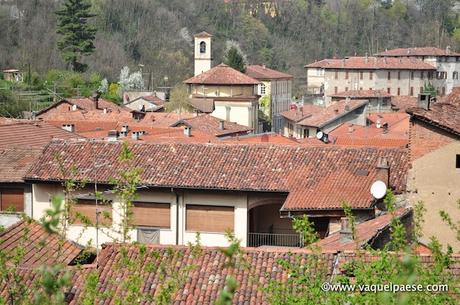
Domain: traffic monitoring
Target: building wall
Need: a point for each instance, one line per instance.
(243, 113)
(315, 80)
(281, 94)
(42, 194)
(434, 180)
(202, 60)
(223, 91)
(444, 64)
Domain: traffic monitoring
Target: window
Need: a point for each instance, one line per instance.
(306, 133)
(207, 218)
(389, 90)
(361, 74)
(12, 200)
(202, 47)
(151, 214)
(389, 75)
(443, 91)
(455, 75)
(457, 161)
(399, 91)
(85, 209)
(336, 90)
(430, 75)
(336, 74)
(371, 75)
(399, 74)
(346, 88)
(262, 89)
(412, 91)
(422, 74)
(412, 75)
(346, 74)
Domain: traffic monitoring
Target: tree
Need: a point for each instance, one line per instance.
(235, 59)
(77, 35)
(130, 81)
(179, 101)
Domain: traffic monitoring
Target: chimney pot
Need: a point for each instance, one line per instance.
(188, 131)
(222, 124)
(112, 135)
(383, 170)
(346, 234)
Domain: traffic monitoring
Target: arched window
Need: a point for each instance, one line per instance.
(202, 47)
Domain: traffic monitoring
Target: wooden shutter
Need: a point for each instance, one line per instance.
(12, 199)
(87, 208)
(152, 214)
(205, 218)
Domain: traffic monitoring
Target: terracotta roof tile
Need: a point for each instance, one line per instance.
(263, 73)
(452, 98)
(82, 104)
(39, 246)
(31, 133)
(267, 138)
(16, 161)
(402, 103)
(317, 116)
(441, 115)
(211, 125)
(365, 232)
(418, 51)
(222, 75)
(203, 104)
(331, 170)
(203, 34)
(373, 63)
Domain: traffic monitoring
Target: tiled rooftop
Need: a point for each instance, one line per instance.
(263, 73)
(418, 51)
(16, 161)
(39, 246)
(222, 75)
(31, 133)
(401, 103)
(372, 63)
(441, 115)
(317, 116)
(317, 177)
(211, 125)
(365, 232)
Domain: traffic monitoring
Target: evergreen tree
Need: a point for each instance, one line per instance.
(77, 35)
(234, 59)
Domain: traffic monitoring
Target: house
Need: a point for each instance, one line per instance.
(146, 103)
(12, 75)
(21, 142)
(213, 126)
(446, 62)
(307, 120)
(379, 100)
(275, 92)
(253, 190)
(396, 76)
(222, 91)
(79, 106)
(129, 96)
(434, 177)
(374, 233)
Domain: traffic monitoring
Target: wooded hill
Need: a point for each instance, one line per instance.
(283, 34)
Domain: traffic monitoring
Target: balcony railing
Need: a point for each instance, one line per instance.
(273, 239)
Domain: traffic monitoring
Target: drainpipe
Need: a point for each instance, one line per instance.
(177, 215)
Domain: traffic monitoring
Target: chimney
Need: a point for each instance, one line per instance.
(367, 58)
(74, 107)
(222, 124)
(112, 136)
(424, 101)
(135, 135)
(188, 131)
(383, 170)
(125, 128)
(378, 124)
(448, 50)
(263, 66)
(69, 127)
(385, 127)
(350, 128)
(96, 97)
(346, 234)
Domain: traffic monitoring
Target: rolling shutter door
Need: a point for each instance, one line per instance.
(12, 199)
(151, 214)
(205, 218)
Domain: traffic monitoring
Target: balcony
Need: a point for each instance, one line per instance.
(275, 239)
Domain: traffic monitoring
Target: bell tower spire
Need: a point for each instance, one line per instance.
(203, 57)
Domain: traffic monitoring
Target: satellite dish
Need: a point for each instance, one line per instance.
(319, 135)
(378, 189)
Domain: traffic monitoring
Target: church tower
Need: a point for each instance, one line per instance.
(203, 57)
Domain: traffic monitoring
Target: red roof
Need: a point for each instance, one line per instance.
(423, 51)
(317, 116)
(331, 170)
(31, 133)
(82, 104)
(16, 161)
(222, 75)
(365, 232)
(263, 73)
(452, 98)
(401, 103)
(39, 246)
(373, 63)
(361, 94)
(203, 35)
(441, 115)
(263, 138)
(211, 125)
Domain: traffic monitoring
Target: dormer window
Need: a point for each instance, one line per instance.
(202, 47)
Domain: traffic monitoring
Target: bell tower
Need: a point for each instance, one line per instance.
(203, 57)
